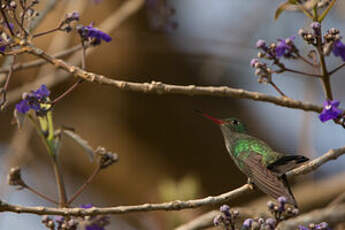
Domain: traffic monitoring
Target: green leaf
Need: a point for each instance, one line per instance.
(82, 142)
(282, 7)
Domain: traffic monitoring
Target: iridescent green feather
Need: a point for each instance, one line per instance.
(242, 146)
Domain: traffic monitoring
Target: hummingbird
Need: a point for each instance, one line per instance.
(264, 167)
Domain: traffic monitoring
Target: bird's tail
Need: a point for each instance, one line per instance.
(291, 199)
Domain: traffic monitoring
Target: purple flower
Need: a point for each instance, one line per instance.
(253, 62)
(339, 49)
(90, 32)
(2, 48)
(86, 206)
(330, 110)
(316, 27)
(23, 106)
(260, 44)
(70, 17)
(218, 220)
(94, 227)
(225, 209)
(33, 100)
(282, 201)
(321, 226)
(41, 92)
(284, 47)
(95, 222)
(271, 223)
(301, 227)
(247, 223)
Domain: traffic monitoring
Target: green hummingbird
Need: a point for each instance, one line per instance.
(264, 167)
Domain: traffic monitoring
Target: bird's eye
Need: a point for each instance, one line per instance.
(235, 122)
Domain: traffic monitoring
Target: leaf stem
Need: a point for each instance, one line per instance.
(325, 12)
(60, 183)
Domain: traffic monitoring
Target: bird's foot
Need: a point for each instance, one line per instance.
(251, 184)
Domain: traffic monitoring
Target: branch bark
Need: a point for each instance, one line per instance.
(161, 88)
(167, 206)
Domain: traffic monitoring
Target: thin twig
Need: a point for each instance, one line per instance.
(60, 184)
(19, 23)
(325, 79)
(336, 69)
(5, 88)
(43, 196)
(83, 187)
(45, 32)
(302, 73)
(83, 55)
(48, 8)
(68, 91)
(325, 12)
(79, 81)
(172, 205)
(307, 61)
(277, 89)
(4, 16)
(339, 199)
(39, 62)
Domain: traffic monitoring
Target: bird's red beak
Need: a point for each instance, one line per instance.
(215, 120)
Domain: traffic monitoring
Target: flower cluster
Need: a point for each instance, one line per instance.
(283, 48)
(94, 222)
(88, 222)
(35, 100)
(325, 44)
(106, 158)
(14, 178)
(226, 218)
(65, 25)
(281, 211)
(259, 223)
(60, 223)
(89, 32)
(273, 52)
(262, 71)
(321, 226)
(311, 37)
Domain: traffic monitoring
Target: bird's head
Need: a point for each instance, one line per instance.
(231, 124)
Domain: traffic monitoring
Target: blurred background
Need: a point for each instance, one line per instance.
(166, 150)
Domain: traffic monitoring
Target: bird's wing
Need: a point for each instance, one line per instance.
(266, 180)
(286, 163)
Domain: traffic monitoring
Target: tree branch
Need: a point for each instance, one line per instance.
(161, 88)
(167, 206)
(39, 62)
